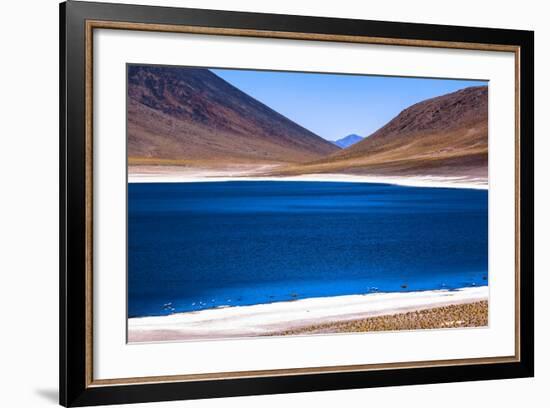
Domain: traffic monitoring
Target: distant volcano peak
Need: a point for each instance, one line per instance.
(348, 140)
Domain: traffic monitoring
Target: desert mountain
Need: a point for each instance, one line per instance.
(177, 115)
(348, 141)
(446, 135)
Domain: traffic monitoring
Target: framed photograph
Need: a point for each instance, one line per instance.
(256, 203)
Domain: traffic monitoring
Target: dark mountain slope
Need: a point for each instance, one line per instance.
(176, 115)
(446, 135)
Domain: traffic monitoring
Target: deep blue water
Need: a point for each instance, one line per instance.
(193, 246)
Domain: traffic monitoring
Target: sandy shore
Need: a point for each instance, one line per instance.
(181, 174)
(281, 317)
(474, 314)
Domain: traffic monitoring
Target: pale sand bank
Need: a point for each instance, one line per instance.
(273, 318)
(181, 174)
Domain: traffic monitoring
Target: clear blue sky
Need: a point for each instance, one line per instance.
(336, 105)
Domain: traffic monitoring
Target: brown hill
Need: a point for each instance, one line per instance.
(446, 135)
(178, 115)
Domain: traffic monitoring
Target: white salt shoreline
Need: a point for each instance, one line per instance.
(265, 319)
(209, 175)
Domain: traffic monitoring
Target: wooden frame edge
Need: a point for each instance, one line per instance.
(289, 35)
(232, 375)
(89, 206)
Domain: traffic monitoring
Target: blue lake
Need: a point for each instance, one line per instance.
(194, 246)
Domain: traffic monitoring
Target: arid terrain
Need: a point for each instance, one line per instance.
(467, 307)
(475, 314)
(192, 117)
(444, 136)
(190, 121)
